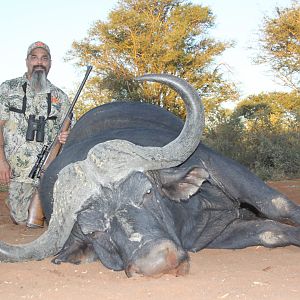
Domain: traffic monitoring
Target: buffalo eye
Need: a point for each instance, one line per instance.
(146, 196)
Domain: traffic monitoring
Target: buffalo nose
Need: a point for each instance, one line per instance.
(162, 258)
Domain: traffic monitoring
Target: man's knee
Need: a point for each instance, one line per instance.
(19, 198)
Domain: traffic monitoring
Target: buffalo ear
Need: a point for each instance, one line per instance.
(181, 183)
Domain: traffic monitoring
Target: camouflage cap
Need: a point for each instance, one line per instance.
(38, 45)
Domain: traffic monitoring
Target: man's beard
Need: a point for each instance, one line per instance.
(38, 81)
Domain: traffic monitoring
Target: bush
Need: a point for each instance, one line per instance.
(277, 155)
(271, 153)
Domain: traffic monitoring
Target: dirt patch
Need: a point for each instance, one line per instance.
(252, 273)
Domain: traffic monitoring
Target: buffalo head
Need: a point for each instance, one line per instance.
(131, 225)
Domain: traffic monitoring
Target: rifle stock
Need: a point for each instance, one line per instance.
(55, 148)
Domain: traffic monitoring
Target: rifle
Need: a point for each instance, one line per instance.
(50, 151)
(44, 158)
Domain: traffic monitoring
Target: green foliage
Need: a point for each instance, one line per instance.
(224, 134)
(280, 110)
(151, 36)
(172, 36)
(280, 45)
(261, 134)
(275, 155)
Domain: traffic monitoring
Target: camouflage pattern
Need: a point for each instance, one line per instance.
(20, 194)
(38, 45)
(22, 154)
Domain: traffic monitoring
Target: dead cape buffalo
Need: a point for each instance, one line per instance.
(135, 189)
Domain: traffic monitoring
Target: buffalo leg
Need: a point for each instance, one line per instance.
(268, 233)
(241, 184)
(278, 208)
(272, 204)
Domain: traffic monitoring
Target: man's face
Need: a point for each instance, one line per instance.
(38, 60)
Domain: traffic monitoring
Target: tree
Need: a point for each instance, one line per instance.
(280, 45)
(262, 133)
(153, 36)
(277, 109)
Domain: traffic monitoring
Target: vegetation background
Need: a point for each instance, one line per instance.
(173, 36)
(260, 131)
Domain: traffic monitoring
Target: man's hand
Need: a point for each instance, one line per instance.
(5, 172)
(63, 136)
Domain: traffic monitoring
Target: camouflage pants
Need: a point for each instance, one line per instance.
(19, 198)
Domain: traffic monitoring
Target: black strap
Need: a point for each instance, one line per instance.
(21, 111)
(49, 108)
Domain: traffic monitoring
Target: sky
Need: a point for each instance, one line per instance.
(60, 22)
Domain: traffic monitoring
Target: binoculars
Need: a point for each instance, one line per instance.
(36, 128)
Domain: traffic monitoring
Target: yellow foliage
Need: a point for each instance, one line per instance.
(147, 36)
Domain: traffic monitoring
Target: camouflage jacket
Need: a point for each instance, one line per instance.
(53, 105)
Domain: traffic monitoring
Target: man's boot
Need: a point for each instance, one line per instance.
(35, 213)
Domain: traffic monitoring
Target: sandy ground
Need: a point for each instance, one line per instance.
(252, 273)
